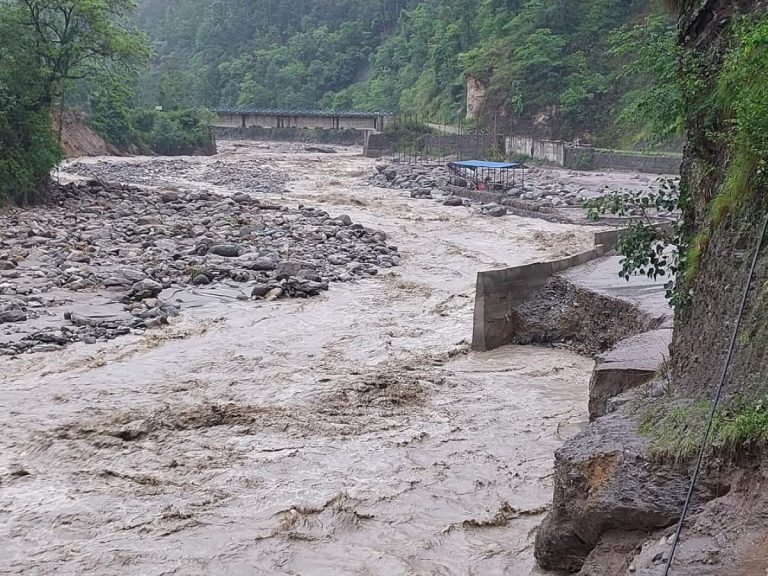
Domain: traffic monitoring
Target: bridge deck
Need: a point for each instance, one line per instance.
(303, 119)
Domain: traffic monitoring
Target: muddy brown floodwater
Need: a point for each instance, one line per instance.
(347, 434)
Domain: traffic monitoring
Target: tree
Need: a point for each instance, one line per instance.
(70, 39)
(28, 149)
(44, 45)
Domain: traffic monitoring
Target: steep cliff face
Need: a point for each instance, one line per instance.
(724, 212)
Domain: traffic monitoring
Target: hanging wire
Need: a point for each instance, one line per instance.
(718, 394)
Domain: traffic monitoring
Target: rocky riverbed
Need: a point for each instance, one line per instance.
(351, 432)
(131, 245)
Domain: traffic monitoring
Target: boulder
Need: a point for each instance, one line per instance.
(320, 149)
(169, 196)
(145, 289)
(288, 268)
(260, 290)
(148, 221)
(261, 264)
(421, 193)
(606, 479)
(12, 315)
(493, 210)
(225, 250)
(242, 198)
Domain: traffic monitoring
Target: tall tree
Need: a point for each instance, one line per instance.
(44, 44)
(69, 39)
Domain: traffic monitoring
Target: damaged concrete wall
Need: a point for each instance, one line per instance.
(500, 292)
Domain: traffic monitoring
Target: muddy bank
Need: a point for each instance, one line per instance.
(78, 139)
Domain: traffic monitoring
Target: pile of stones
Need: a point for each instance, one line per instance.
(252, 176)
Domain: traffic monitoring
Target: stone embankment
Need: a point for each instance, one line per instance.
(116, 249)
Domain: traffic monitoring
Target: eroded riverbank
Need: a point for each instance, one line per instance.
(349, 433)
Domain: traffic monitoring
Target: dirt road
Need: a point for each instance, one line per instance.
(347, 434)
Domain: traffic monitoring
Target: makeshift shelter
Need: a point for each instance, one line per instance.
(485, 175)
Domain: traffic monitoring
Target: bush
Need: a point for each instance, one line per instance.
(183, 132)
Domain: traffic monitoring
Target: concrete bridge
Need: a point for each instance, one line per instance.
(303, 119)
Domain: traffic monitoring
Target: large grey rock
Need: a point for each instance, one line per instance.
(146, 289)
(260, 290)
(148, 221)
(606, 479)
(421, 193)
(288, 268)
(320, 149)
(12, 315)
(225, 250)
(169, 196)
(493, 210)
(242, 198)
(132, 275)
(262, 264)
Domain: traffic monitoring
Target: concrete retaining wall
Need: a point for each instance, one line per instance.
(377, 145)
(499, 292)
(549, 151)
(578, 158)
(585, 158)
(519, 146)
(542, 150)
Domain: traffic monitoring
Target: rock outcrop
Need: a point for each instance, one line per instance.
(605, 481)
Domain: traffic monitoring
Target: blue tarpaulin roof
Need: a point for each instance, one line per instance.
(475, 164)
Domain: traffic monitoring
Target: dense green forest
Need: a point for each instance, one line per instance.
(561, 68)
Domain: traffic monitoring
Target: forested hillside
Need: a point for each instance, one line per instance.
(565, 68)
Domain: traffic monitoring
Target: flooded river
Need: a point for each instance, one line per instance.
(353, 433)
